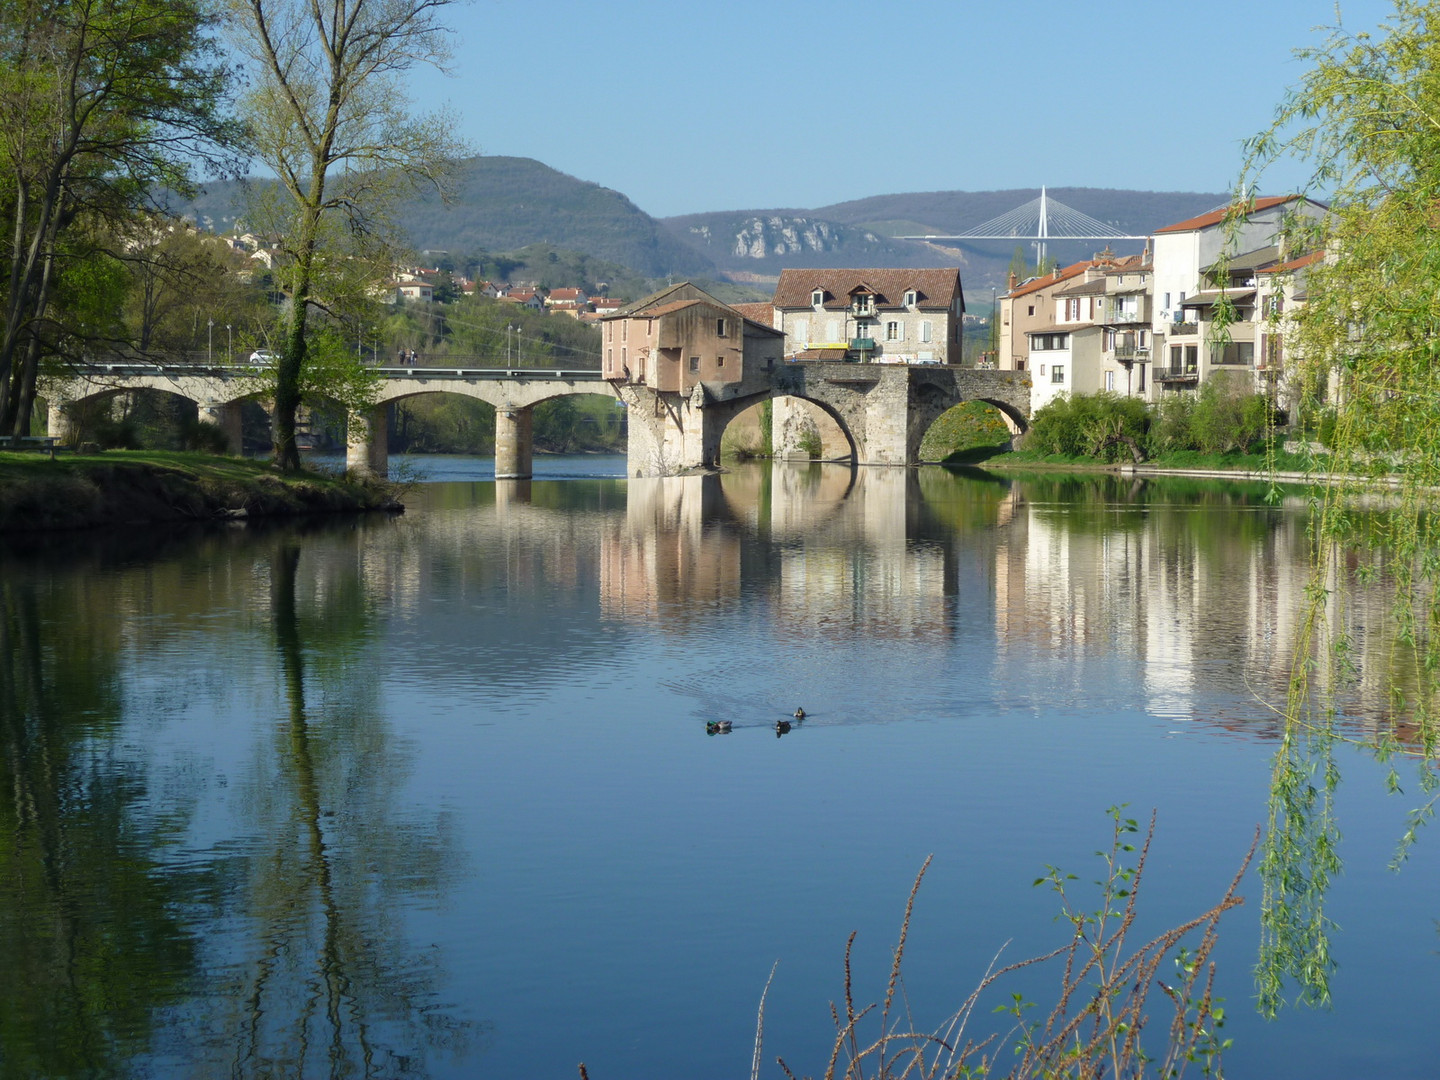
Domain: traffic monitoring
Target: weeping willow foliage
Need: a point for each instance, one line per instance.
(1363, 351)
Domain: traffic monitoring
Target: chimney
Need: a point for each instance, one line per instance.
(1056, 272)
(1014, 280)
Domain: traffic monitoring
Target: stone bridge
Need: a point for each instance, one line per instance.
(883, 410)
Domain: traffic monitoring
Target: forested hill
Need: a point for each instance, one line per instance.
(503, 204)
(506, 203)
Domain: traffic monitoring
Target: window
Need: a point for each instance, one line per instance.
(832, 330)
(1057, 373)
(1140, 385)
(719, 361)
(1110, 381)
(909, 297)
(694, 363)
(817, 298)
(1042, 342)
(1072, 310)
(625, 330)
(893, 331)
(802, 332)
(1109, 340)
(1042, 371)
(719, 327)
(1032, 309)
(1167, 302)
(1192, 357)
(609, 359)
(925, 330)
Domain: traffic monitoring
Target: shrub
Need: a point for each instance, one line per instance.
(1087, 425)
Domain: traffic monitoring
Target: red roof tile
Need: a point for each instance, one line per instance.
(936, 288)
(1214, 217)
(1046, 280)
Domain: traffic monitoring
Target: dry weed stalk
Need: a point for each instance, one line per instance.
(1094, 1028)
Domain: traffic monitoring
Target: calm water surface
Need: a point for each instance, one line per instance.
(433, 795)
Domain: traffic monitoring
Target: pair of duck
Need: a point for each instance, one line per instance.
(724, 727)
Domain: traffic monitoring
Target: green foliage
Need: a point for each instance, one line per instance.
(1227, 415)
(1083, 424)
(969, 430)
(474, 330)
(102, 101)
(1366, 115)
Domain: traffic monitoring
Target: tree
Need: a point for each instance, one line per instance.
(1367, 116)
(101, 101)
(328, 114)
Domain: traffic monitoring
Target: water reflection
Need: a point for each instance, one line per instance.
(260, 780)
(146, 915)
(94, 944)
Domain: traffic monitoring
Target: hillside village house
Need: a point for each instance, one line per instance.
(681, 336)
(886, 315)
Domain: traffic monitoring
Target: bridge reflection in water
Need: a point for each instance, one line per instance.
(882, 410)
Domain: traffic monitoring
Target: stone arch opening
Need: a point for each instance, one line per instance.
(144, 418)
(446, 421)
(970, 431)
(787, 428)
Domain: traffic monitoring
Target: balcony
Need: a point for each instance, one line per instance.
(1185, 374)
(1180, 329)
(862, 344)
(1132, 354)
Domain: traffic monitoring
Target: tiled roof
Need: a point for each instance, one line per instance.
(761, 311)
(674, 298)
(1293, 264)
(935, 288)
(1084, 288)
(1046, 280)
(1214, 217)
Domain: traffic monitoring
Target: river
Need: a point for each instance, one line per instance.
(433, 795)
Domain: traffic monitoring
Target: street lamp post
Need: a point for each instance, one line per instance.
(229, 345)
(209, 341)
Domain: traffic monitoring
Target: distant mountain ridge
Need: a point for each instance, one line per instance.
(863, 232)
(503, 204)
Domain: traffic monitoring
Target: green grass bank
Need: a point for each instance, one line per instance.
(136, 487)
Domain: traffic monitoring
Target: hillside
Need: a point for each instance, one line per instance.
(507, 203)
(503, 204)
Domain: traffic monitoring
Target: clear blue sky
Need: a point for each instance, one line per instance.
(746, 104)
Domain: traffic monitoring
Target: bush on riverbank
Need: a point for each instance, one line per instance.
(1223, 421)
(123, 488)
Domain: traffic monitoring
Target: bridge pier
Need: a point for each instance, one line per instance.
(514, 443)
(366, 451)
(225, 415)
(673, 433)
(57, 422)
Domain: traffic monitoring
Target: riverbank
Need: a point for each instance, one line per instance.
(141, 487)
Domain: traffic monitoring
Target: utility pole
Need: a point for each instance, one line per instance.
(210, 341)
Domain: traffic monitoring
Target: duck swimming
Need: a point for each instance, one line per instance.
(799, 714)
(718, 727)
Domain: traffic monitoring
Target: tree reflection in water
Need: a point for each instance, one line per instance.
(93, 945)
(330, 984)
